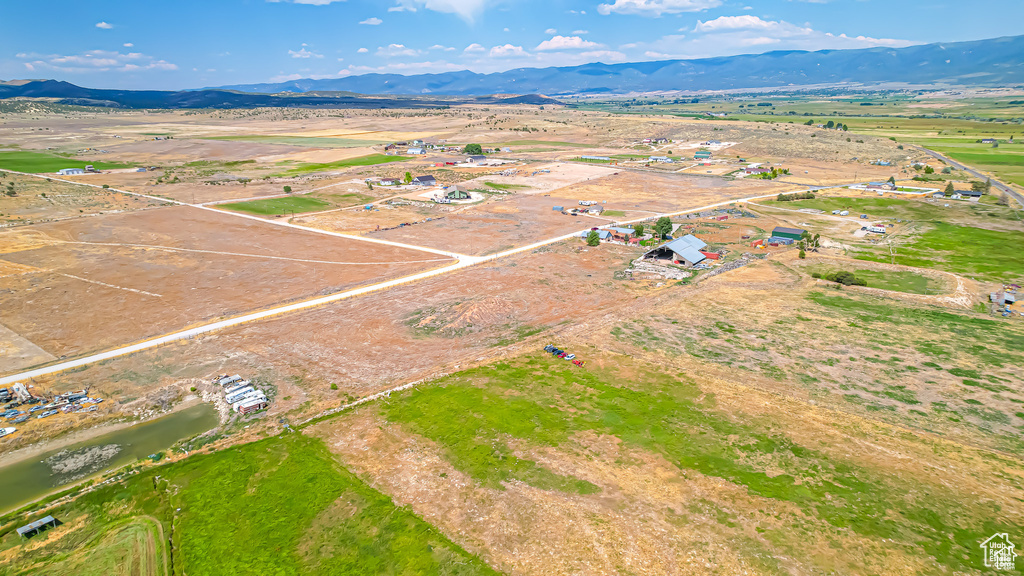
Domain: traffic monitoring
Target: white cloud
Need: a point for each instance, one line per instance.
(580, 32)
(566, 43)
(104, 25)
(396, 50)
(401, 8)
(745, 22)
(303, 53)
(363, 50)
(128, 45)
(750, 30)
(372, 21)
(655, 8)
(551, 31)
(468, 10)
(729, 35)
(95, 61)
(508, 51)
(474, 47)
(440, 47)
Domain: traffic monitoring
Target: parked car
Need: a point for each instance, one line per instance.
(47, 414)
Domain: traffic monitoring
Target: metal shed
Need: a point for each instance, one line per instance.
(30, 530)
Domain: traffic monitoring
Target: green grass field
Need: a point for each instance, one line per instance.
(544, 402)
(41, 162)
(505, 187)
(369, 160)
(347, 199)
(903, 281)
(276, 206)
(986, 254)
(134, 548)
(278, 506)
(936, 243)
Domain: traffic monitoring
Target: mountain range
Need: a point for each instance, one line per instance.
(70, 94)
(993, 62)
(997, 61)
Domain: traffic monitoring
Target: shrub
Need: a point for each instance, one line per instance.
(593, 239)
(845, 278)
(287, 189)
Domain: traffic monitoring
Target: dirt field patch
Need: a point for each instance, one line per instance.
(38, 200)
(141, 276)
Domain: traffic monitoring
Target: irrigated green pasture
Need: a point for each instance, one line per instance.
(42, 162)
(369, 160)
(276, 206)
(278, 506)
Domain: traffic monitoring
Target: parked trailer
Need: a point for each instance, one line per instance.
(251, 406)
(232, 398)
(229, 380)
(240, 386)
(255, 394)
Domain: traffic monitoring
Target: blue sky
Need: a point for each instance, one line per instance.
(196, 43)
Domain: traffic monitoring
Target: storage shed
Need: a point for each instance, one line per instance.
(791, 233)
(41, 525)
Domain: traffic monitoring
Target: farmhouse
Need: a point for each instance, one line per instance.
(427, 180)
(604, 235)
(971, 193)
(595, 210)
(621, 234)
(662, 159)
(685, 250)
(416, 151)
(756, 170)
(476, 159)
(988, 140)
(70, 171)
(880, 186)
(788, 233)
(389, 182)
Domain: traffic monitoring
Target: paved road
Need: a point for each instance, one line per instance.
(463, 261)
(995, 183)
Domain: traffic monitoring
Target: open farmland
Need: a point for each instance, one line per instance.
(736, 417)
(40, 162)
(121, 264)
(964, 237)
(35, 200)
(347, 526)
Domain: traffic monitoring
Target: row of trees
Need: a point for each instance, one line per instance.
(795, 196)
(830, 125)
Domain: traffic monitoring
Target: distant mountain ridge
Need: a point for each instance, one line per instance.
(70, 94)
(997, 61)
